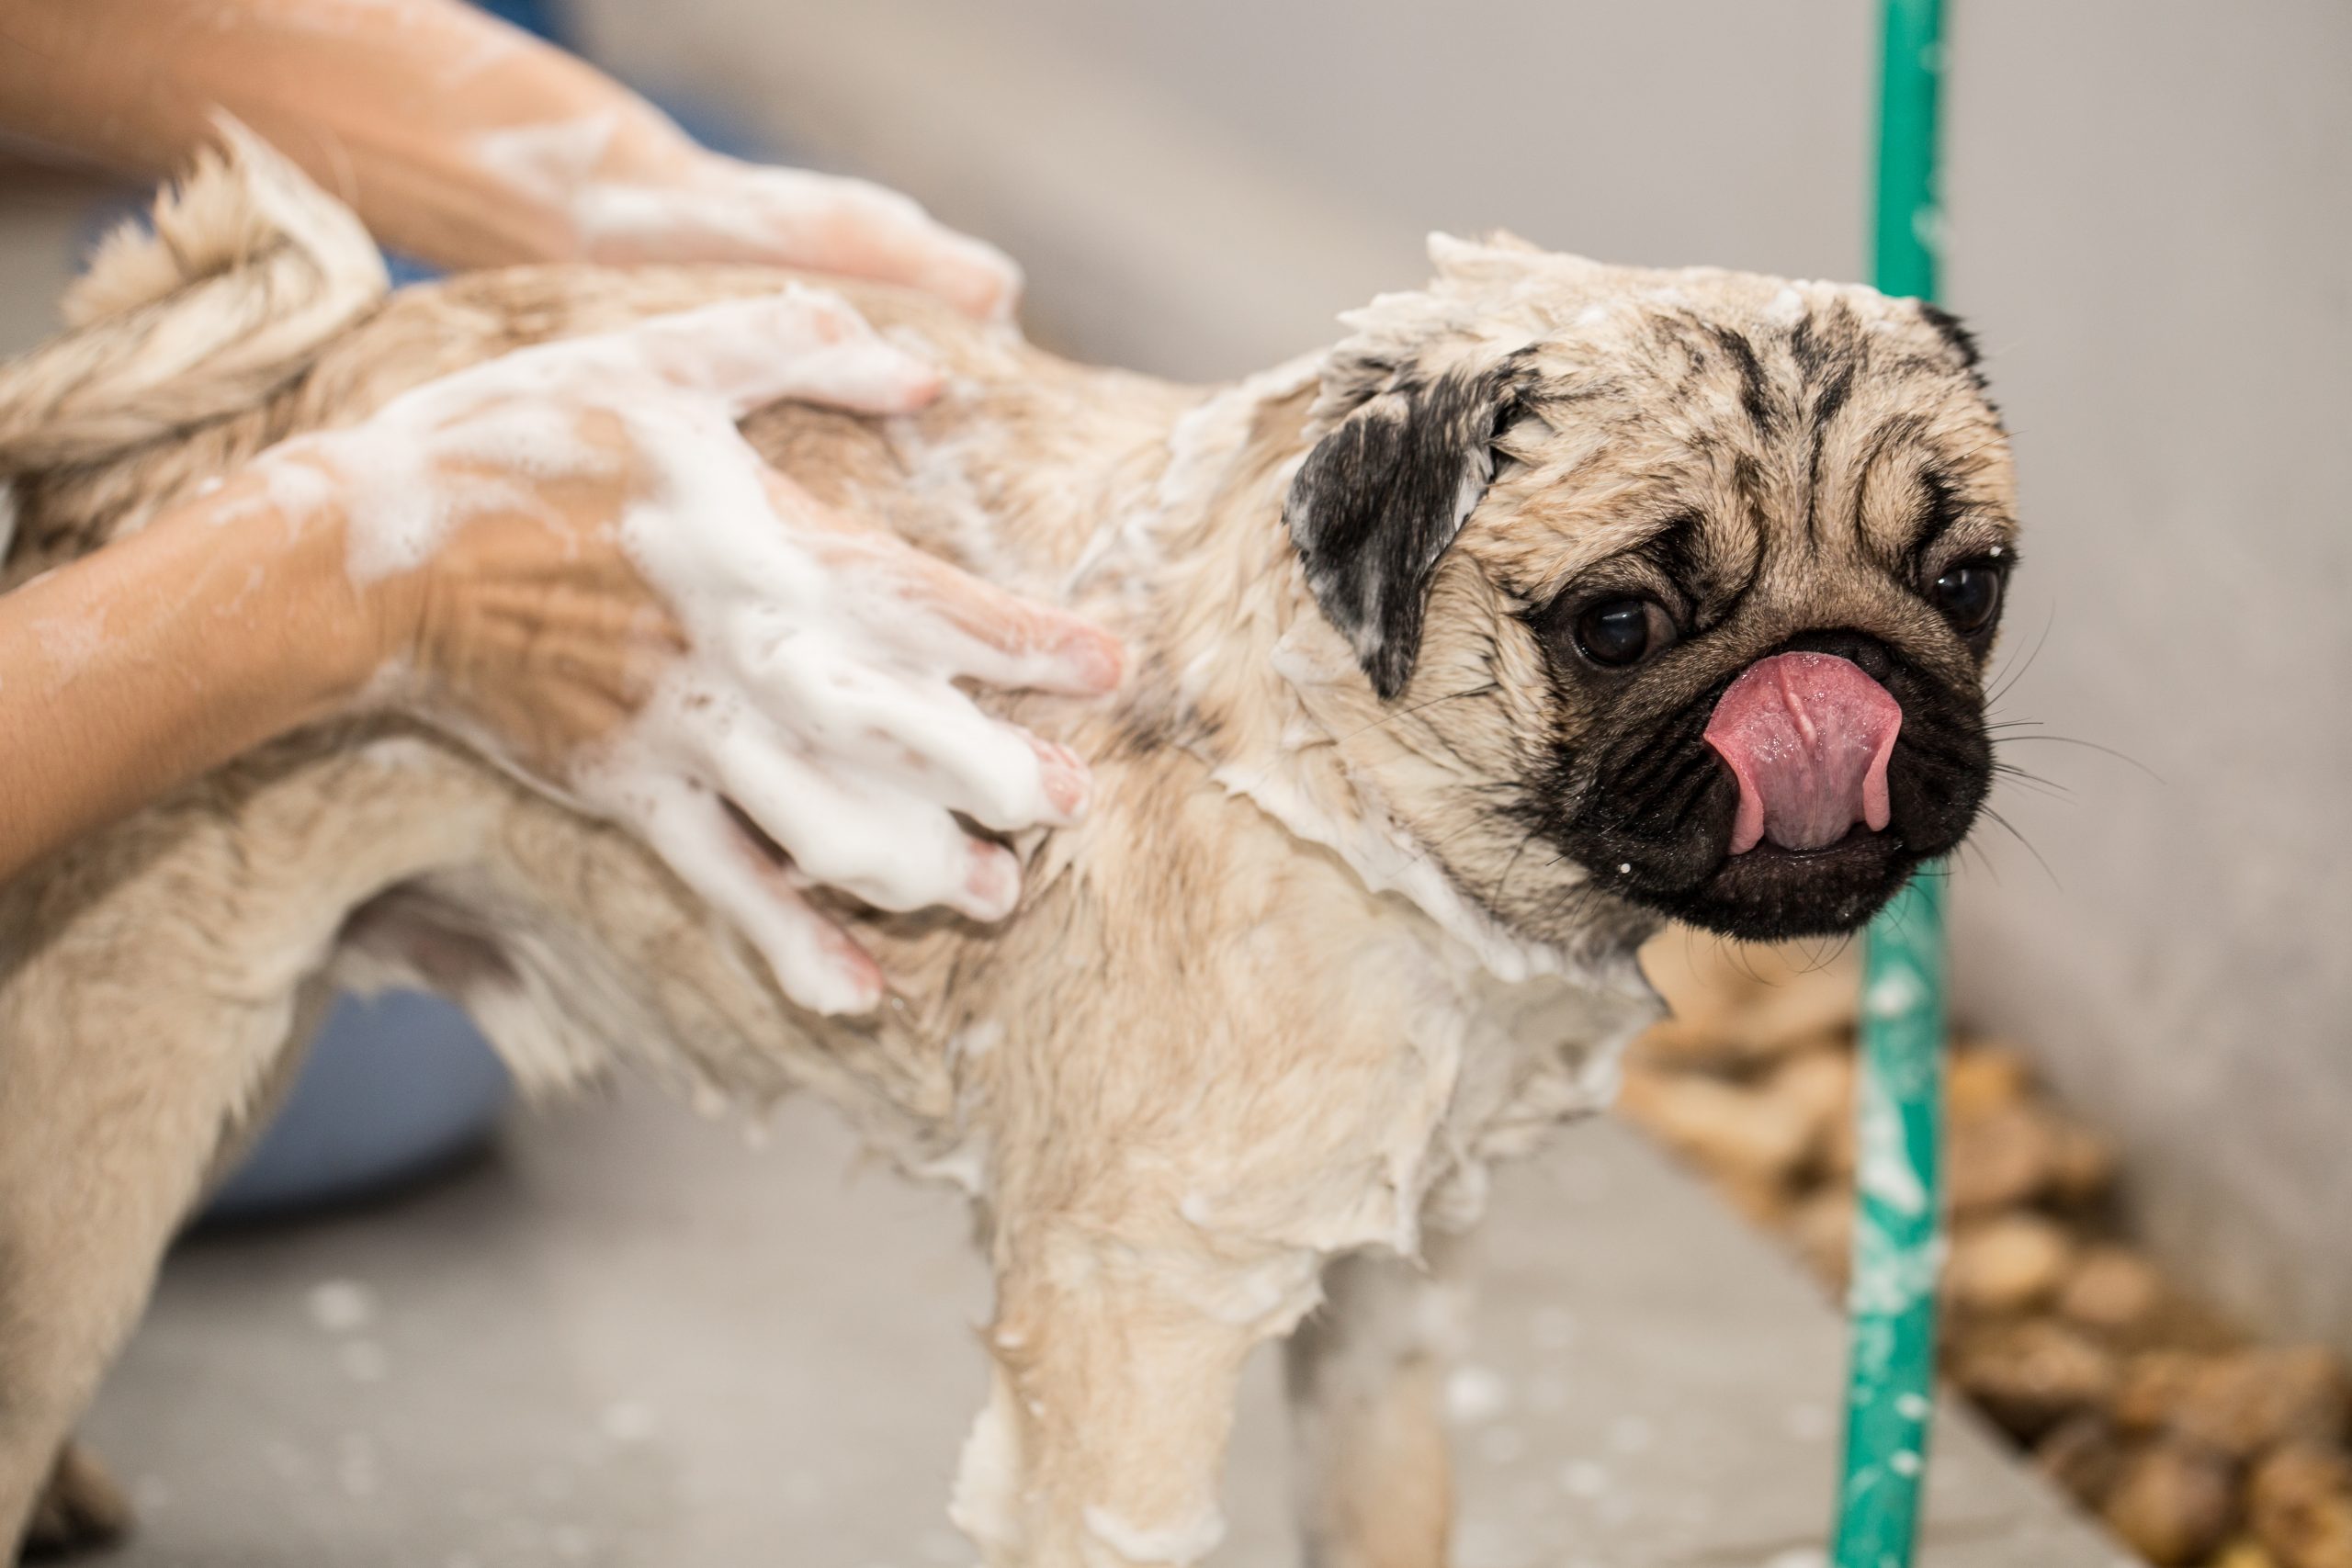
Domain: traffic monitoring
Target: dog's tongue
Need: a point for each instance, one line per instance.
(1807, 735)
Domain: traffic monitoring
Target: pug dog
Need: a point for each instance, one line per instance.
(1555, 602)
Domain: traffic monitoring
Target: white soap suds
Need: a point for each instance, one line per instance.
(1893, 995)
(780, 212)
(547, 160)
(974, 1041)
(819, 691)
(964, 1165)
(1882, 1163)
(70, 642)
(988, 1480)
(746, 211)
(341, 1306)
(1476, 1393)
(1188, 1541)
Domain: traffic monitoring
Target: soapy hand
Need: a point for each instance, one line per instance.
(719, 210)
(573, 559)
(626, 187)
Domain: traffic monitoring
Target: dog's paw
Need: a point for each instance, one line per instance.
(80, 1509)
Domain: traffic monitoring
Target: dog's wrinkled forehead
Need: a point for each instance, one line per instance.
(1617, 398)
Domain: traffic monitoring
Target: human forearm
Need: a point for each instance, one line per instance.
(397, 109)
(455, 138)
(137, 668)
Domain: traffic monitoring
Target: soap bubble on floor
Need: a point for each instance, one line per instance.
(1475, 1394)
(627, 1421)
(341, 1306)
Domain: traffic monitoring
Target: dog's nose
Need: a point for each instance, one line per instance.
(1843, 642)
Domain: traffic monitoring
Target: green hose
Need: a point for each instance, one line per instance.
(1898, 1095)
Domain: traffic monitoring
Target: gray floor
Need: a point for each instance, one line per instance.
(629, 1338)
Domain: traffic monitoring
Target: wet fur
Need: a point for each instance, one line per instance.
(1324, 947)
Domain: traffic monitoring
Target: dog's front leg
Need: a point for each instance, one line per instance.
(1116, 1368)
(1367, 1376)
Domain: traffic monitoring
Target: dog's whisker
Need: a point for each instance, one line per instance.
(2010, 677)
(2011, 828)
(2123, 757)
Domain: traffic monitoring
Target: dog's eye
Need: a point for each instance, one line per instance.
(1969, 595)
(1616, 633)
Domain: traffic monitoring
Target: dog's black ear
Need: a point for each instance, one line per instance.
(1380, 498)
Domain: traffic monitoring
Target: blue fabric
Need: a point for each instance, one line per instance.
(397, 1086)
(548, 18)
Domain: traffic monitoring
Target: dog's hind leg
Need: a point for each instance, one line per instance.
(1367, 1376)
(120, 1091)
(153, 978)
(79, 1510)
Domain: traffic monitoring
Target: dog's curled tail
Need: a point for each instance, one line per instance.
(249, 268)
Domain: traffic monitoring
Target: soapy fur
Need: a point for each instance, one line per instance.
(1234, 1070)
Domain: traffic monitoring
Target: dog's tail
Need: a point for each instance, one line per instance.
(247, 270)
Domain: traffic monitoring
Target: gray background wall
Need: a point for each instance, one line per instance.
(2150, 213)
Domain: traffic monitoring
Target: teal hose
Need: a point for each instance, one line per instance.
(1898, 1093)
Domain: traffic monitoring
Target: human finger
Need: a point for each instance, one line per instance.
(980, 629)
(817, 964)
(892, 849)
(835, 225)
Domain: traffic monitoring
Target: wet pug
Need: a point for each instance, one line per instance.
(1556, 600)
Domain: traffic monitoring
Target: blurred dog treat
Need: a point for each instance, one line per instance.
(2198, 1447)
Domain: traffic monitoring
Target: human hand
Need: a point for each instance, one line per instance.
(721, 209)
(632, 189)
(571, 557)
